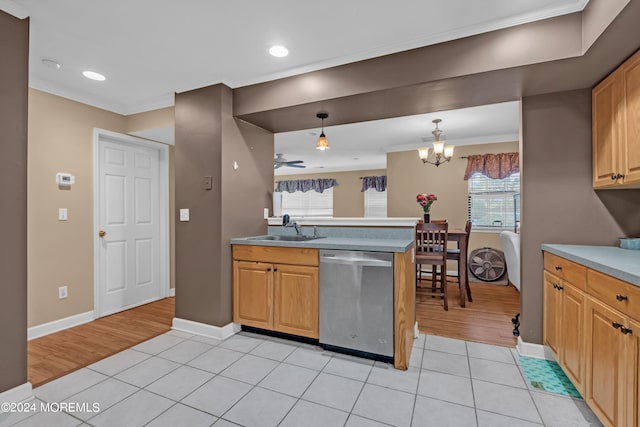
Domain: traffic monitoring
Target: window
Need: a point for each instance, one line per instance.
(375, 203)
(494, 203)
(309, 203)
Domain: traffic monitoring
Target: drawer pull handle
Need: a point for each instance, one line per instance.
(558, 268)
(626, 330)
(621, 297)
(616, 325)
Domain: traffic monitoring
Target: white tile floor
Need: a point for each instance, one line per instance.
(181, 380)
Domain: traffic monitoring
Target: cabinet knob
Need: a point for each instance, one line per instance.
(626, 330)
(621, 297)
(269, 269)
(614, 177)
(620, 176)
(616, 325)
(558, 268)
(555, 286)
(275, 269)
(560, 287)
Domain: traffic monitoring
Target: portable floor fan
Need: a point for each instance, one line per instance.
(280, 161)
(487, 264)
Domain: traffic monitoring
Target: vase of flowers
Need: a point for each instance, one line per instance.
(426, 200)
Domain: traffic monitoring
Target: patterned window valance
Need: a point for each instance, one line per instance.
(305, 185)
(377, 182)
(496, 166)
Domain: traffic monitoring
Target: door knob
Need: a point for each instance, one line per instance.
(102, 233)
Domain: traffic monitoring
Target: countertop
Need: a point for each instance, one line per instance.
(344, 243)
(623, 264)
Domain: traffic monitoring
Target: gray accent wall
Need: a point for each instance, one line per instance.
(208, 142)
(14, 72)
(559, 204)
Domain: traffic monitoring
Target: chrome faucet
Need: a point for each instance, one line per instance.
(286, 222)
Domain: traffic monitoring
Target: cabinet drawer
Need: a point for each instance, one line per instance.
(277, 254)
(568, 270)
(617, 294)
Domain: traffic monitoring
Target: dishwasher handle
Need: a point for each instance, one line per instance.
(364, 262)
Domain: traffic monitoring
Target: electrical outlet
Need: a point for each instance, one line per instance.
(62, 292)
(265, 214)
(62, 214)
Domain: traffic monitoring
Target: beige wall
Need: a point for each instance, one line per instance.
(61, 252)
(407, 176)
(348, 200)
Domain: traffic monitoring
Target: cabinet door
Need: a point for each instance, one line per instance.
(572, 336)
(630, 155)
(552, 300)
(253, 294)
(606, 103)
(605, 363)
(632, 375)
(296, 300)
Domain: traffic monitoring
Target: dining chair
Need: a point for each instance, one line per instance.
(431, 249)
(453, 254)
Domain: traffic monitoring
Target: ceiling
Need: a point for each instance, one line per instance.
(360, 146)
(150, 49)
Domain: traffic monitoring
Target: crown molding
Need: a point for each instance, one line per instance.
(13, 8)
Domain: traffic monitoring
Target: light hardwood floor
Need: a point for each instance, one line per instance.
(58, 354)
(487, 319)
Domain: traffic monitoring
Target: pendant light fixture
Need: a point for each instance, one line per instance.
(322, 143)
(443, 153)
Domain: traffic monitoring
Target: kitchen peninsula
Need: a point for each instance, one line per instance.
(293, 281)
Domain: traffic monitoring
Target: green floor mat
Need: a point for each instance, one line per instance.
(548, 376)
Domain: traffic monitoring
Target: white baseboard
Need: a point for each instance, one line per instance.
(217, 332)
(59, 325)
(17, 394)
(172, 292)
(537, 351)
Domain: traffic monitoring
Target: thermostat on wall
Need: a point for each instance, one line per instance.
(65, 179)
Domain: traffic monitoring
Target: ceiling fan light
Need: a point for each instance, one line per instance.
(322, 143)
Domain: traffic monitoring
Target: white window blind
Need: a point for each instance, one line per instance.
(375, 203)
(494, 203)
(310, 203)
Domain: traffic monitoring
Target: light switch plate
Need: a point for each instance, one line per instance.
(184, 215)
(62, 214)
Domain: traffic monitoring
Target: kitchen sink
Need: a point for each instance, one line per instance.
(285, 238)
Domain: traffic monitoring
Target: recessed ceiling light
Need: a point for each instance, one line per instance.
(279, 51)
(94, 76)
(50, 63)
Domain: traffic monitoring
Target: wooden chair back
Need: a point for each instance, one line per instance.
(431, 239)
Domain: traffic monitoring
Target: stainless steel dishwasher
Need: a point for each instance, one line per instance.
(356, 301)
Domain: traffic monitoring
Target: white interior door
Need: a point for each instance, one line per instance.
(128, 252)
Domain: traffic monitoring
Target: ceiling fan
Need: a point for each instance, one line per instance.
(280, 161)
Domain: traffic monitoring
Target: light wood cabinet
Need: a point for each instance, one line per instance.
(616, 128)
(572, 353)
(632, 377)
(253, 294)
(552, 303)
(564, 326)
(594, 329)
(605, 363)
(275, 296)
(297, 300)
